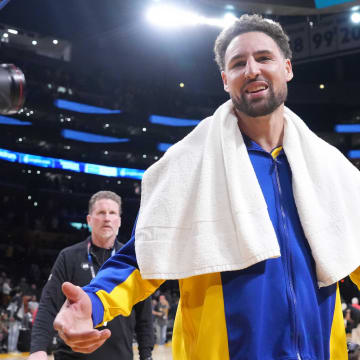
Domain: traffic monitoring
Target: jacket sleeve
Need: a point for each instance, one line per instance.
(118, 286)
(51, 301)
(144, 329)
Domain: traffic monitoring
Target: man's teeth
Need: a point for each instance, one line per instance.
(260, 88)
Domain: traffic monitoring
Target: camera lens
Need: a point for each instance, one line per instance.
(12, 89)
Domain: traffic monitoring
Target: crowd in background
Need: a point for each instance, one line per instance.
(351, 312)
(18, 307)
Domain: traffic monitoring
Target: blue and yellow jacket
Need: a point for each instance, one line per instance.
(272, 310)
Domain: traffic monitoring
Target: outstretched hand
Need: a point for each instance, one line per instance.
(74, 323)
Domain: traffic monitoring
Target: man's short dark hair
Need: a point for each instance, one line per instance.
(104, 195)
(248, 23)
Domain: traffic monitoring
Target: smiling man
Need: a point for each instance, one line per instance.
(79, 264)
(258, 231)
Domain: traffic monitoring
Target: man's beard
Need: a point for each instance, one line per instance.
(269, 105)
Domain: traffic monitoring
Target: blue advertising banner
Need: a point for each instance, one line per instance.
(325, 3)
(69, 165)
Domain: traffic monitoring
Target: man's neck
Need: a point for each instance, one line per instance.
(103, 243)
(267, 131)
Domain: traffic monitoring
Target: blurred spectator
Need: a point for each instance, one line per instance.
(355, 303)
(16, 315)
(161, 313)
(6, 289)
(349, 321)
(353, 351)
(4, 325)
(23, 285)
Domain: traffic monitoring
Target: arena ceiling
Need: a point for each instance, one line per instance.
(114, 33)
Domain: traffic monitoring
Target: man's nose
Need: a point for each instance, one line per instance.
(252, 70)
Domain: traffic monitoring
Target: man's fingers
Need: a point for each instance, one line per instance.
(88, 349)
(72, 292)
(84, 338)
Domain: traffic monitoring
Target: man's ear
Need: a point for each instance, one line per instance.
(224, 79)
(288, 69)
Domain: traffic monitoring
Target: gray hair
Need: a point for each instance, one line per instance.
(104, 195)
(248, 23)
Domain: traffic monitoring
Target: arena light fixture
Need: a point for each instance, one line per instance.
(172, 121)
(82, 108)
(6, 120)
(354, 154)
(223, 22)
(355, 17)
(229, 19)
(171, 17)
(163, 146)
(347, 128)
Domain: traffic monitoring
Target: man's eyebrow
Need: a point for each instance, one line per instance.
(242, 55)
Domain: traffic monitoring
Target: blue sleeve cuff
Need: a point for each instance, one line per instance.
(97, 309)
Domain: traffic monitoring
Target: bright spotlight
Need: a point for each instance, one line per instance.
(34, 42)
(169, 16)
(226, 21)
(229, 7)
(229, 19)
(355, 17)
(55, 42)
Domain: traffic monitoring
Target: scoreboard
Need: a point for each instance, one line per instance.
(332, 36)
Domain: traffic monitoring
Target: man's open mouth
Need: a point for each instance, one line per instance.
(254, 88)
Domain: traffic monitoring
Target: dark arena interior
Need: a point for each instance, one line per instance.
(111, 85)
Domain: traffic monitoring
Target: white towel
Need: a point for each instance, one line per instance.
(202, 209)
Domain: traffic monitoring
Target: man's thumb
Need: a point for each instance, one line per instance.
(72, 292)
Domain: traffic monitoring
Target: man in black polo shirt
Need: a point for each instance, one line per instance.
(79, 264)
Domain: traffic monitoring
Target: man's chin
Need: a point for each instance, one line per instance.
(106, 234)
(256, 110)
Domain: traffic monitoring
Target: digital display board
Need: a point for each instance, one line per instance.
(69, 165)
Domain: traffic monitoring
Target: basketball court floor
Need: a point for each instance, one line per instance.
(161, 352)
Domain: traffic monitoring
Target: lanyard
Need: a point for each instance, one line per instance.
(91, 264)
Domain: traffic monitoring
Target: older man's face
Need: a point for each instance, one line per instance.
(104, 219)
